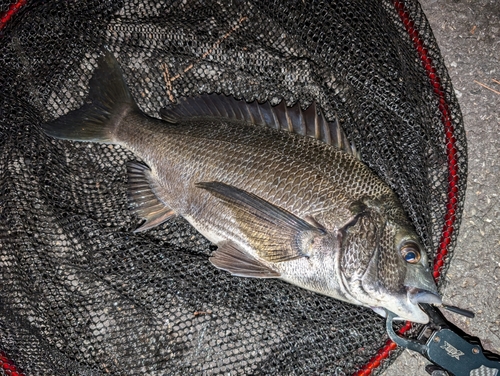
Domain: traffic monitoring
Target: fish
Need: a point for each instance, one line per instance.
(280, 191)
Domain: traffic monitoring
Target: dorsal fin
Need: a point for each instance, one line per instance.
(309, 122)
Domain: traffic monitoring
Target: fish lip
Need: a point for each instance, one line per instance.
(405, 311)
(416, 296)
(411, 309)
(406, 305)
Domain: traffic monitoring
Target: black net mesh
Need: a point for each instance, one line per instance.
(81, 294)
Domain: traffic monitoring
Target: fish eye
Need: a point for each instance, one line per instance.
(410, 253)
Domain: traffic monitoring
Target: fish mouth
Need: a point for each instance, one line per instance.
(417, 296)
(404, 303)
(409, 309)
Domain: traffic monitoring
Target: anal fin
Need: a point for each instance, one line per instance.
(230, 258)
(143, 195)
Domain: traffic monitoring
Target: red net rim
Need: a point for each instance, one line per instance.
(451, 154)
(13, 9)
(451, 206)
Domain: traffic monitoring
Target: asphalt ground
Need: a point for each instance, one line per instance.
(468, 34)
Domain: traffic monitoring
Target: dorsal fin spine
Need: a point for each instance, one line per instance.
(309, 122)
(317, 129)
(339, 139)
(328, 133)
(274, 114)
(288, 120)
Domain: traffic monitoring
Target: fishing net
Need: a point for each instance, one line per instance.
(81, 294)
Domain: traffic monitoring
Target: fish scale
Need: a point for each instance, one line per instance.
(255, 180)
(182, 145)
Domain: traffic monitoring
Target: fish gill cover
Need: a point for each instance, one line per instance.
(82, 294)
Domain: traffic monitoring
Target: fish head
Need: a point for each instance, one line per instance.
(384, 266)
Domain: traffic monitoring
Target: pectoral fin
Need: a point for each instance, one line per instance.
(276, 234)
(143, 194)
(237, 262)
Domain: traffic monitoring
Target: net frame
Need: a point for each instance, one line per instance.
(416, 27)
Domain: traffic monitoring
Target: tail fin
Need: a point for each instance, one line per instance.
(109, 100)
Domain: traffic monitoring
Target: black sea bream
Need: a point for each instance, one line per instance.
(278, 189)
